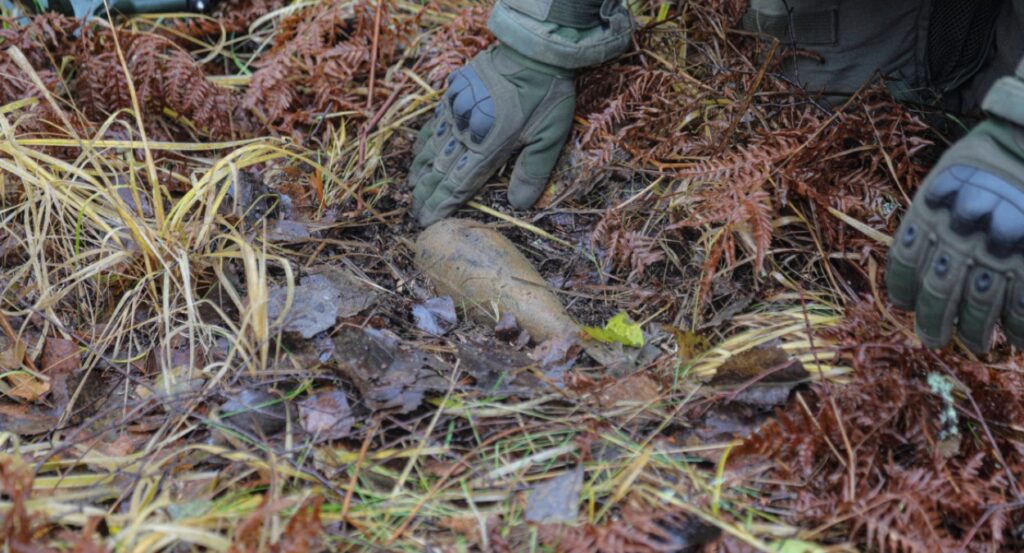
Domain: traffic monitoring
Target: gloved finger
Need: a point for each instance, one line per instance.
(983, 300)
(906, 261)
(1013, 312)
(422, 163)
(938, 299)
(426, 132)
(538, 158)
(466, 175)
(430, 137)
(425, 188)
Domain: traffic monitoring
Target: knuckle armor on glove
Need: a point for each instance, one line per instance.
(957, 259)
(518, 95)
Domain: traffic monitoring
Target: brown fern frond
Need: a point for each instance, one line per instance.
(626, 249)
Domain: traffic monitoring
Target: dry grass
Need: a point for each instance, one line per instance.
(122, 236)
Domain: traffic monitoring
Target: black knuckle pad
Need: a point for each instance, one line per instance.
(457, 83)
(980, 201)
(482, 120)
(472, 106)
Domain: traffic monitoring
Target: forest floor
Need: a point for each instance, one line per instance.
(171, 242)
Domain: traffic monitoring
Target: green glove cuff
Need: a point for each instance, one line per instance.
(537, 29)
(1006, 97)
(538, 66)
(578, 14)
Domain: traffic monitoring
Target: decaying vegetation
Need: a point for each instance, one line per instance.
(171, 187)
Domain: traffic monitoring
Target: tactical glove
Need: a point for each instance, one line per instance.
(495, 105)
(518, 95)
(958, 257)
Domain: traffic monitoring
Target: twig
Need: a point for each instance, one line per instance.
(519, 223)
(347, 503)
(373, 54)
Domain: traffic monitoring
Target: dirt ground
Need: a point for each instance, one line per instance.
(214, 334)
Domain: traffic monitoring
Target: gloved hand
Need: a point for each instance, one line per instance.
(958, 257)
(518, 94)
(499, 102)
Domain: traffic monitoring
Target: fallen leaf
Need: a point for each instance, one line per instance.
(762, 376)
(689, 343)
(636, 388)
(324, 296)
(619, 329)
(123, 446)
(753, 363)
(12, 358)
(435, 316)
(557, 499)
(507, 328)
(286, 230)
(26, 420)
(303, 533)
(326, 415)
(61, 358)
(387, 375)
(557, 355)
(557, 350)
(498, 368)
(27, 387)
(751, 385)
(255, 412)
(11, 353)
(468, 527)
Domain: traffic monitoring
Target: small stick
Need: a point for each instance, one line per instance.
(373, 55)
(373, 74)
(347, 503)
(519, 223)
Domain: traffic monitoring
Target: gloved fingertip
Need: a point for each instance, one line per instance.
(901, 283)
(930, 341)
(523, 194)
(425, 221)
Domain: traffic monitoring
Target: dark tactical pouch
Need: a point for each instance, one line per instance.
(924, 48)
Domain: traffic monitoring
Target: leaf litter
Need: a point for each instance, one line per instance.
(436, 315)
(789, 409)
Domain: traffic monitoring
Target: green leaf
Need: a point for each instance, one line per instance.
(663, 11)
(796, 546)
(621, 329)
